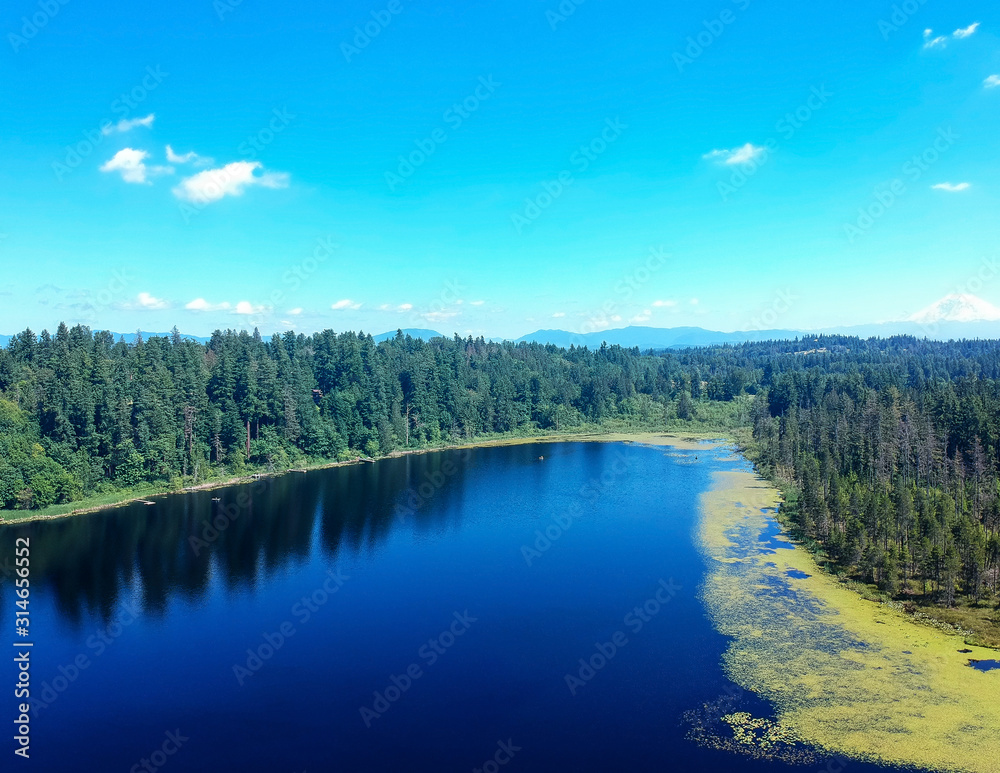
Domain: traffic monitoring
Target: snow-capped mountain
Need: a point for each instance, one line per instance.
(957, 307)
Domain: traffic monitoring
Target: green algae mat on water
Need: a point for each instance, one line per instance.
(844, 674)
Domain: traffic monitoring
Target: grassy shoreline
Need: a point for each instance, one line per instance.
(598, 433)
(852, 677)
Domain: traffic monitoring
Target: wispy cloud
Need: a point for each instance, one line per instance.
(230, 180)
(294, 312)
(125, 124)
(559, 315)
(992, 82)
(345, 303)
(741, 155)
(664, 304)
(643, 316)
(186, 158)
(476, 303)
(950, 187)
(966, 32)
(200, 304)
(930, 41)
(440, 315)
(131, 164)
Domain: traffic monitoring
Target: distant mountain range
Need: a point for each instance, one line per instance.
(409, 331)
(685, 337)
(655, 338)
(954, 316)
(958, 307)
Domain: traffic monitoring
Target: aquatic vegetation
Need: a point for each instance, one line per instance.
(762, 733)
(718, 725)
(844, 674)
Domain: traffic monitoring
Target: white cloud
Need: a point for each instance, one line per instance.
(147, 302)
(186, 158)
(616, 318)
(694, 301)
(404, 307)
(992, 82)
(559, 314)
(229, 180)
(346, 303)
(941, 40)
(200, 304)
(664, 304)
(930, 42)
(477, 303)
(294, 312)
(951, 188)
(130, 163)
(967, 31)
(246, 308)
(741, 155)
(125, 125)
(644, 316)
(437, 316)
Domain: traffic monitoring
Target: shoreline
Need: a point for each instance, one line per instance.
(684, 440)
(906, 671)
(829, 660)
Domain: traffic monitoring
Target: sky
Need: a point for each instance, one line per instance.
(492, 169)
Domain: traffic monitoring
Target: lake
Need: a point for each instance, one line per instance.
(468, 609)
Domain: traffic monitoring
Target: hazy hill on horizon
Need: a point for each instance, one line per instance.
(952, 318)
(655, 338)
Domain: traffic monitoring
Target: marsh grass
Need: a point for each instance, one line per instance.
(847, 669)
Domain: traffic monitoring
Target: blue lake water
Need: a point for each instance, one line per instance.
(427, 613)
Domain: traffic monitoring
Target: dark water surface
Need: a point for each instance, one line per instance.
(427, 579)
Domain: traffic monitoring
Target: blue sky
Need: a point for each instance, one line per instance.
(494, 169)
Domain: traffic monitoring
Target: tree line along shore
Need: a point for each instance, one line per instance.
(887, 450)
